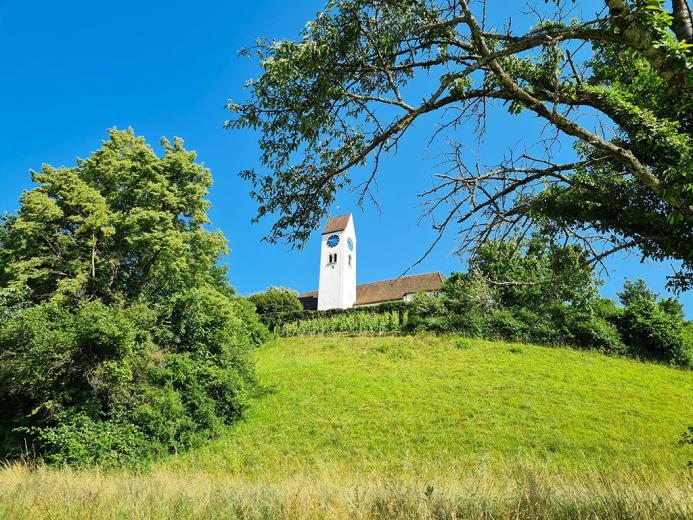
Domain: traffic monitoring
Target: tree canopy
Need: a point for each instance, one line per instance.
(120, 338)
(123, 223)
(337, 99)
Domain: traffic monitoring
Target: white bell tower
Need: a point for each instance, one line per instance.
(337, 288)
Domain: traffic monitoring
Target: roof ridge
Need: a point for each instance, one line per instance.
(403, 277)
(337, 223)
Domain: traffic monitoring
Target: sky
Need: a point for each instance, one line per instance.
(71, 70)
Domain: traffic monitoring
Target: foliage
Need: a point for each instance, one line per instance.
(341, 95)
(120, 339)
(275, 321)
(536, 273)
(353, 323)
(651, 327)
(469, 292)
(276, 299)
(548, 297)
(426, 313)
(122, 224)
(590, 329)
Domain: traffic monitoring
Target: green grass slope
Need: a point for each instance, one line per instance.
(416, 405)
(412, 427)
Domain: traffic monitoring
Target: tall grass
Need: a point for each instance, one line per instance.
(522, 493)
(361, 322)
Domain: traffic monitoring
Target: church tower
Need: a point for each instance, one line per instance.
(337, 289)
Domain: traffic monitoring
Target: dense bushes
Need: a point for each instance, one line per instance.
(276, 299)
(120, 339)
(470, 304)
(643, 327)
(533, 291)
(652, 327)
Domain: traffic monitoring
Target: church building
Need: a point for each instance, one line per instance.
(337, 287)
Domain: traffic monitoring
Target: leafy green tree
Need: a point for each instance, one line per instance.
(120, 338)
(340, 97)
(469, 292)
(653, 327)
(123, 223)
(536, 273)
(276, 299)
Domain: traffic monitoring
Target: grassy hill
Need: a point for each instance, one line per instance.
(414, 426)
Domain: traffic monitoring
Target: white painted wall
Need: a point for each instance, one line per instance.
(337, 287)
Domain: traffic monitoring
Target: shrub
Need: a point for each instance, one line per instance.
(424, 305)
(120, 338)
(472, 324)
(104, 385)
(427, 313)
(652, 328)
(589, 331)
(469, 292)
(276, 299)
(504, 324)
(653, 333)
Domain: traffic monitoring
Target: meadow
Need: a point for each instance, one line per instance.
(404, 427)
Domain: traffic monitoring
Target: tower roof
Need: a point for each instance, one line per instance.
(338, 223)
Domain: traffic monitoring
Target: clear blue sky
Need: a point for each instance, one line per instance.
(70, 70)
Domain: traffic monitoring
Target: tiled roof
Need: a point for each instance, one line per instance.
(338, 223)
(397, 288)
(388, 290)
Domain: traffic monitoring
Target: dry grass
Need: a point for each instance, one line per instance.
(523, 493)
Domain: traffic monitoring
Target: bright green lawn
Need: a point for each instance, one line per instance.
(418, 405)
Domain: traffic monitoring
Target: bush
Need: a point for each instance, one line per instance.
(653, 328)
(120, 338)
(653, 333)
(592, 332)
(469, 292)
(104, 385)
(504, 324)
(276, 305)
(427, 313)
(276, 299)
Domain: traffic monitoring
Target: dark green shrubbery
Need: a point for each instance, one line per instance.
(652, 327)
(276, 305)
(120, 339)
(276, 299)
(538, 292)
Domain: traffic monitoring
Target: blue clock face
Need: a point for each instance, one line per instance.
(350, 244)
(333, 241)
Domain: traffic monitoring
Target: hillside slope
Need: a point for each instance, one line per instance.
(408, 428)
(422, 404)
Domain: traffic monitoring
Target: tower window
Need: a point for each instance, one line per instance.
(349, 260)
